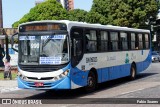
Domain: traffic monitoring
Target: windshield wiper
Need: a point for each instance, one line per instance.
(45, 43)
(48, 39)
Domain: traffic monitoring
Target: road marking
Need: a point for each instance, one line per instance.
(154, 84)
(133, 91)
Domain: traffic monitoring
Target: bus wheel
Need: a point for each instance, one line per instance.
(133, 72)
(91, 82)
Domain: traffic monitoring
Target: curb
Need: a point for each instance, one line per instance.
(8, 89)
(8, 85)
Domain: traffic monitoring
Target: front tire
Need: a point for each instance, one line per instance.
(91, 82)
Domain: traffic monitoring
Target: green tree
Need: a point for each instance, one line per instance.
(77, 15)
(95, 17)
(131, 13)
(48, 10)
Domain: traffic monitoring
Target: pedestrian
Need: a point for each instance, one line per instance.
(2, 54)
(8, 57)
(7, 70)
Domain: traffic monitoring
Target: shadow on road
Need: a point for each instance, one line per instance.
(145, 75)
(76, 93)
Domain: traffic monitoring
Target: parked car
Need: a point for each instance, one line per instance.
(156, 52)
(155, 56)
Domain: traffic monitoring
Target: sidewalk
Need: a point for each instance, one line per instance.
(8, 85)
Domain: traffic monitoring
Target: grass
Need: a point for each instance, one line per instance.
(14, 75)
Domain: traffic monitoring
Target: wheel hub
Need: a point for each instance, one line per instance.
(90, 81)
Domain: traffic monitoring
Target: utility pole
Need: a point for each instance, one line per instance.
(1, 40)
(1, 15)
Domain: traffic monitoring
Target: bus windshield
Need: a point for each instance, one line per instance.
(44, 49)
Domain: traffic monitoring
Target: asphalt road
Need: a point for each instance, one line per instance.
(120, 92)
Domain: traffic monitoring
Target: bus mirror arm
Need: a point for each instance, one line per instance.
(15, 49)
(74, 45)
(12, 42)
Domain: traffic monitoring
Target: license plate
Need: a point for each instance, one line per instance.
(39, 84)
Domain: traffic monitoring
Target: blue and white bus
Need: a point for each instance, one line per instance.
(67, 55)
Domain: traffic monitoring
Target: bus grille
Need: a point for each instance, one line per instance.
(38, 68)
(44, 78)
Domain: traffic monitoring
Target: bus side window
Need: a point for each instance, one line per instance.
(87, 42)
(147, 41)
(91, 41)
(114, 40)
(124, 40)
(104, 41)
(78, 47)
(140, 41)
(137, 42)
(133, 43)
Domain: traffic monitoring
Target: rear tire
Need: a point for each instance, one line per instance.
(91, 82)
(133, 72)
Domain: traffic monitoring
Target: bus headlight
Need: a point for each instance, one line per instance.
(24, 77)
(64, 74)
(21, 76)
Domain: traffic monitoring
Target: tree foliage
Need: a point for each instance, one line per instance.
(95, 17)
(48, 10)
(77, 15)
(131, 13)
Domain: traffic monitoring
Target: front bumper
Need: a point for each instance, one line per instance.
(64, 83)
(155, 59)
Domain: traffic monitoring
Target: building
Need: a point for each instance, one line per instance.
(71, 4)
(67, 4)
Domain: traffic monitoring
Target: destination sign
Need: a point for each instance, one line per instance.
(42, 27)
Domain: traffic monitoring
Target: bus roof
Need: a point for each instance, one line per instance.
(84, 24)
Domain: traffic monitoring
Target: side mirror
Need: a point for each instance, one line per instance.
(12, 41)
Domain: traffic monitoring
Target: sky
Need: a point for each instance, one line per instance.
(13, 10)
